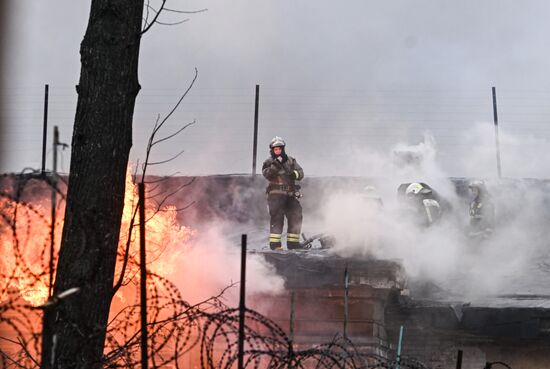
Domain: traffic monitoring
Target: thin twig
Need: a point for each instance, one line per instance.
(158, 125)
(163, 178)
(173, 23)
(186, 11)
(173, 134)
(24, 347)
(167, 160)
(147, 28)
(12, 360)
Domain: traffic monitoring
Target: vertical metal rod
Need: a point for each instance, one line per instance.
(143, 276)
(497, 141)
(346, 312)
(55, 145)
(459, 360)
(242, 302)
(53, 206)
(45, 128)
(292, 301)
(399, 346)
(255, 148)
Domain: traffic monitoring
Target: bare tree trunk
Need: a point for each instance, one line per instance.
(74, 331)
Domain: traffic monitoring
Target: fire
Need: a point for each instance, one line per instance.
(25, 247)
(25, 242)
(165, 237)
(25, 226)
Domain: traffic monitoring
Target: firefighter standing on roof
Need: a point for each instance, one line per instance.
(282, 171)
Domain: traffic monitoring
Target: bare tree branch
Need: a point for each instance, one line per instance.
(148, 27)
(118, 284)
(167, 160)
(24, 347)
(163, 178)
(166, 197)
(149, 8)
(12, 360)
(186, 206)
(173, 134)
(186, 11)
(146, 18)
(173, 23)
(159, 125)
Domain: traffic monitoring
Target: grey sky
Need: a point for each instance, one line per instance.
(338, 79)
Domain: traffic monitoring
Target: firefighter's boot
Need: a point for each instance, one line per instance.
(293, 241)
(275, 241)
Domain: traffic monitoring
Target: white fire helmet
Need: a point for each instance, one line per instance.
(277, 142)
(477, 187)
(476, 183)
(414, 189)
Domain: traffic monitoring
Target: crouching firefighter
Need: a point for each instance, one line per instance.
(282, 171)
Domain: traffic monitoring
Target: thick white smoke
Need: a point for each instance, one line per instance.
(212, 262)
(443, 254)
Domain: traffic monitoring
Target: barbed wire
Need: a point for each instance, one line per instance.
(208, 329)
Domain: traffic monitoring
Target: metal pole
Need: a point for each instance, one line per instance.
(45, 128)
(53, 205)
(346, 312)
(242, 302)
(255, 148)
(399, 346)
(292, 301)
(143, 276)
(497, 142)
(459, 360)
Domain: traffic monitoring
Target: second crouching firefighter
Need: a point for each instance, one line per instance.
(482, 211)
(282, 172)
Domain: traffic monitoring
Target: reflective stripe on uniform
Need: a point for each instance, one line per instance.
(297, 174)
(292, 237)
(278, 192)
(274, 237)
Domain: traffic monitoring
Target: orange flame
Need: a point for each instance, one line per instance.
(25, 243)
(25, 226)
(165, 237)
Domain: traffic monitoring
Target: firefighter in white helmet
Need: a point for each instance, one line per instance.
(423, 202)
(282, 172)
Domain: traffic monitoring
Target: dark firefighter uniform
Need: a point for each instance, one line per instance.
(282, 171)
(482, 210)
(423, 203)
